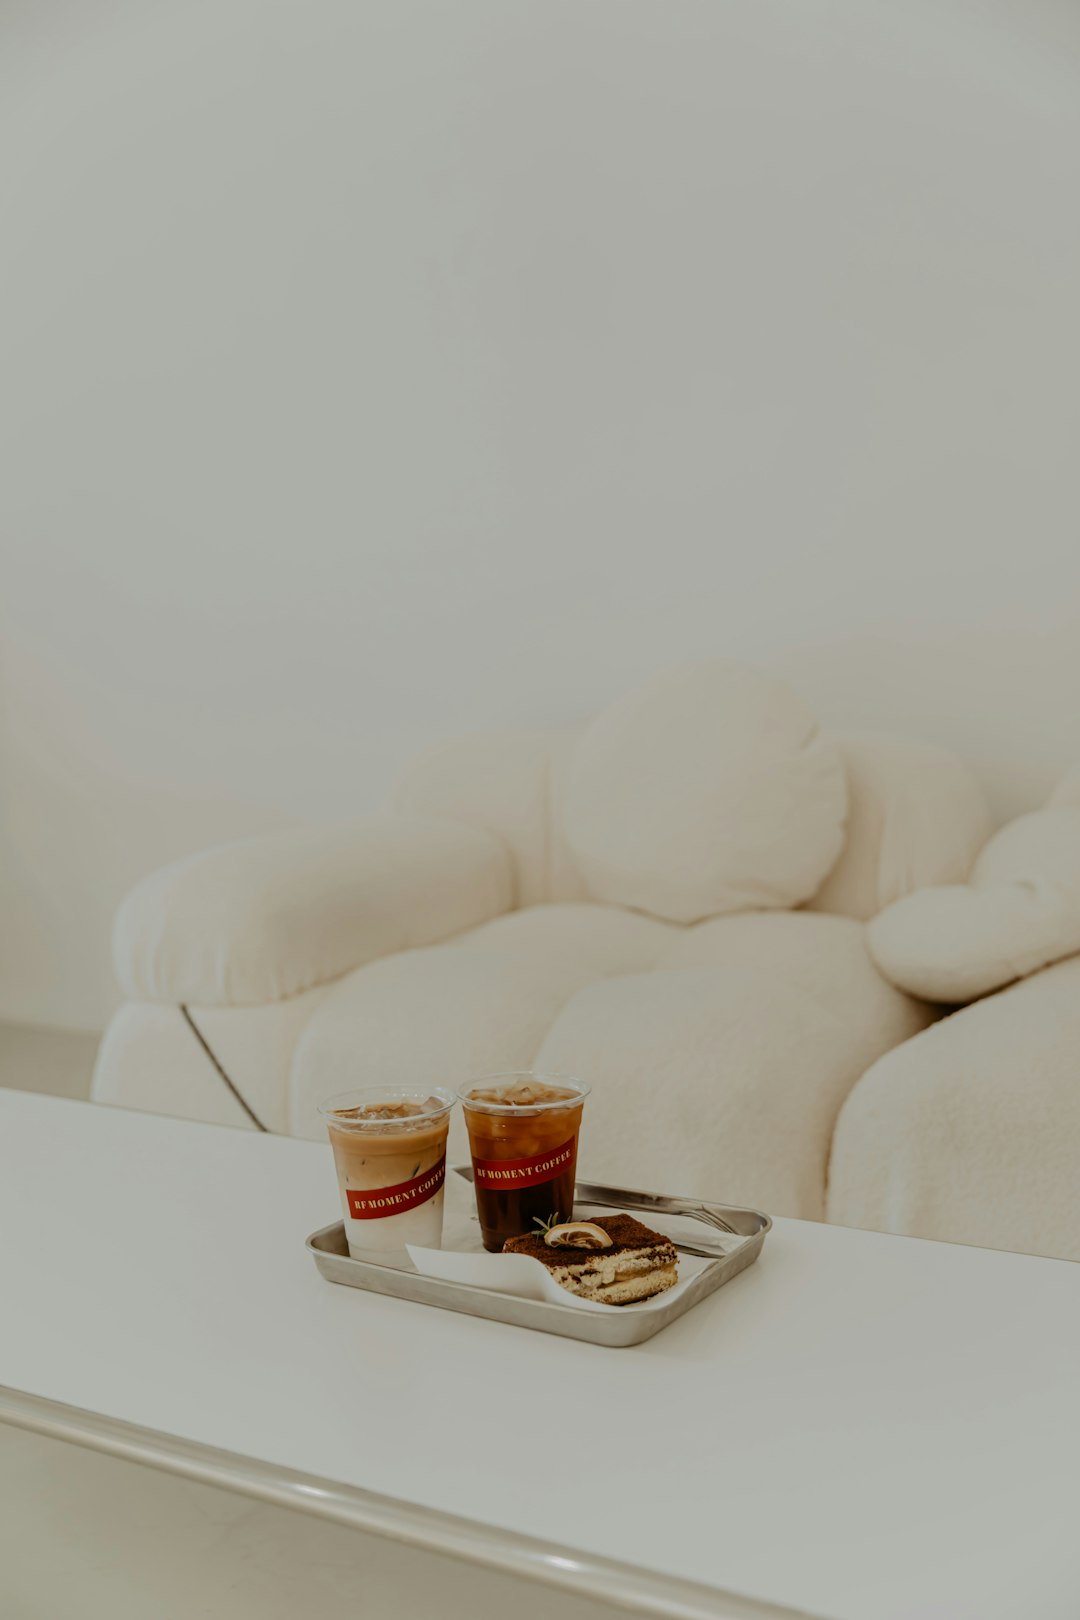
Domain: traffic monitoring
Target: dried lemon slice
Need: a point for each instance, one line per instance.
(577, 1235)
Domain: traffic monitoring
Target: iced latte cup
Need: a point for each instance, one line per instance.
(389, 1147)
(523, 1132)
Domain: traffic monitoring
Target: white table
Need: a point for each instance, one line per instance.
(859, 1427)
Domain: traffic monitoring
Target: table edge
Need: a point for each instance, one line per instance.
(626, 1586)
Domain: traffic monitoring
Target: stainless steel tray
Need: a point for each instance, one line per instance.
(730, 1236)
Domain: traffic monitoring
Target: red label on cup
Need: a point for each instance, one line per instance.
(376, 1203)
(507, 1175)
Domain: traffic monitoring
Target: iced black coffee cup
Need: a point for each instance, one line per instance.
(523, 1133)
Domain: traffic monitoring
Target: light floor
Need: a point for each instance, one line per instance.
(58, 1061)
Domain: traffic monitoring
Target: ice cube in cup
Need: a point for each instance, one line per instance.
(389, 1146)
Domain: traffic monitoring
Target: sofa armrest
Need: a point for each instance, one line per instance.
(1020, 912)
(967, 1132)
(269, 917)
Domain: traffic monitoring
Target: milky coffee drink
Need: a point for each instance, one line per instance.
(389, 1147)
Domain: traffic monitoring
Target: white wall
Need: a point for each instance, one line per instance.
(373, 371)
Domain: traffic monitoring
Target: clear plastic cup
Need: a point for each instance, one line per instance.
(389, 1147)
(523, 1132)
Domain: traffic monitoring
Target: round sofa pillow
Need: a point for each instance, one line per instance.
(708, 790)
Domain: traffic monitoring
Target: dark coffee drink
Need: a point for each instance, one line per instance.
(523, 1132)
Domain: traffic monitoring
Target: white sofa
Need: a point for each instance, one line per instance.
(670, 902)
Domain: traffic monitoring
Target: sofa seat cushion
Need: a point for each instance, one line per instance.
(722, 1073)
(483, 1002)
(971, 1133)
(826, 954)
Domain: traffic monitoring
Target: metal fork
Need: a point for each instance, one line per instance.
(591, 1192)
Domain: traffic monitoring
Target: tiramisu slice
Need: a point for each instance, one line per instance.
(613, 1259)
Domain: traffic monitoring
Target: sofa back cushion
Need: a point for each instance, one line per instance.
(710, 789)
(917, 815)
(510, 783)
